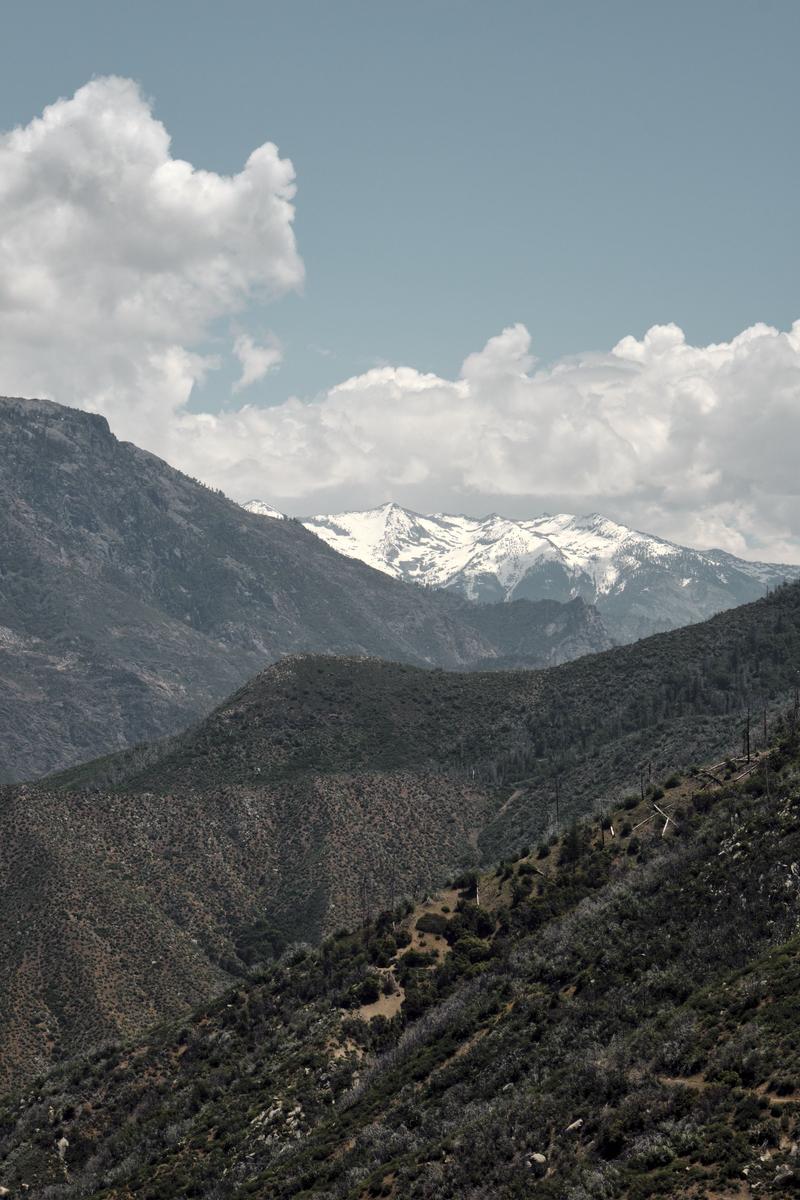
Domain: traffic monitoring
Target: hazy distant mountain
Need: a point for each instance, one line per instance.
(133, 598)
(641, 584)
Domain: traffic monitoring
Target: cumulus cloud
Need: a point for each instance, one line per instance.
(119, 262)
(116, 258)
(697, 443)
(506, 355)
(257, 360)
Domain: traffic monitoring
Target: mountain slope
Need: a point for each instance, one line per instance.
(322, 791)
(118, 910)
(133, 598)
(591, 723)
(616, 1018)
(640, 583)
(538, 633)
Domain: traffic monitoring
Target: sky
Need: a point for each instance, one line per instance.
(519, 257)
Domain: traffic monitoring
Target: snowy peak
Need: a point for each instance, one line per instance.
(375, 536)
(263, 509)
(490, 558)
(640, 583)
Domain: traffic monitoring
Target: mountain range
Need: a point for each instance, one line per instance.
(641, 584)
(133, 598)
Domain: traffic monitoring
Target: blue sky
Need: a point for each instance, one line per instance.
(588, 169)
(543, 256)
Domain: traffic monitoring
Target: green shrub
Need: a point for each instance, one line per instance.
(472, 948)
(432, 923)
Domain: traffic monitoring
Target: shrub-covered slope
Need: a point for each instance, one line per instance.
(321, 792)
(119, 909)
(615, 1017)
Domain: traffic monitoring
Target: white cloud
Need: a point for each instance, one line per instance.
(117, 262)
(116, 258)
(257, 360)
(695, 443)
(504, 356)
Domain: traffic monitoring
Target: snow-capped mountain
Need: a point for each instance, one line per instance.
(641, 584)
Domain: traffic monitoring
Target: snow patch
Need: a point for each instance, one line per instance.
(264, 510)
